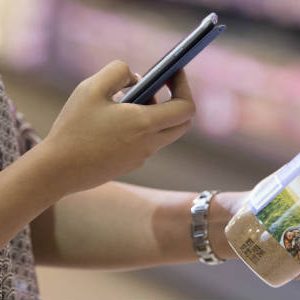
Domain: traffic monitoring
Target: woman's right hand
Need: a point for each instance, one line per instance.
(94, 139)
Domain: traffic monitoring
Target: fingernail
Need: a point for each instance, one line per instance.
(169, 93)
(138, 76)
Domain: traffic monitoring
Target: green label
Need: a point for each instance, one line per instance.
(281, 217)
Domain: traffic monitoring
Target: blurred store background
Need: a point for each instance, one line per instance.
(247, 89)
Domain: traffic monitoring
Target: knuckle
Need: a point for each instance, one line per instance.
(188, 125)
(82, 90)
(124, 71)
(83, 85)
(192, 107)
(122, 66)
(184, 128)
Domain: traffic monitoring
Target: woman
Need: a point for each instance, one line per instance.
(81, 217)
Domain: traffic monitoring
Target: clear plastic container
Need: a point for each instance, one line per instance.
(265, 233)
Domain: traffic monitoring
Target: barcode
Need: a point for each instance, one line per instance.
(252, 251)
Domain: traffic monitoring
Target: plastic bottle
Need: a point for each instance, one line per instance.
(265, 233)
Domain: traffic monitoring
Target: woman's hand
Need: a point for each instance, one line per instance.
(95, 139)
(223, 207)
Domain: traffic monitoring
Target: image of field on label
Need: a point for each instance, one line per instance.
(281, 218)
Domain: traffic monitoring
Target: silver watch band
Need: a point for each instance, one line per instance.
(200, 229)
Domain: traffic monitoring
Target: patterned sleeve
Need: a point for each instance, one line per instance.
(27, 136)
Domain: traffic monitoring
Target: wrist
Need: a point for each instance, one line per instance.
(53, 166)
(67, 170)
(199, 228)
(172, 228)
(38, 171)
(28, 187)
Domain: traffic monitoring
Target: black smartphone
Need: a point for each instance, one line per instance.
(174, 60)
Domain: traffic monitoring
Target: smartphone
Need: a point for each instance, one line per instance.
(174, 60)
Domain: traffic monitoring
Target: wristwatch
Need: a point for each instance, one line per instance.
(199, 229)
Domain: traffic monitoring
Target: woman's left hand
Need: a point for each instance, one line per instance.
(222, 208)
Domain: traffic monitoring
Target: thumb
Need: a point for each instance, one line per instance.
(111, 79)
(153, 100)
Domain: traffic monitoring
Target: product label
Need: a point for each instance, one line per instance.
(276, 204)
(252, 251)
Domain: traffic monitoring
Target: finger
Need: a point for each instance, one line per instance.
(138, 76)
(170, 135)
(112, 78)
(169, 114)
(153, 100)
(118, 96)
(179, 86)
(162, 96)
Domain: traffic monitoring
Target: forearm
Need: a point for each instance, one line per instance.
(120, 226)
(114, 226)
(28, 187)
